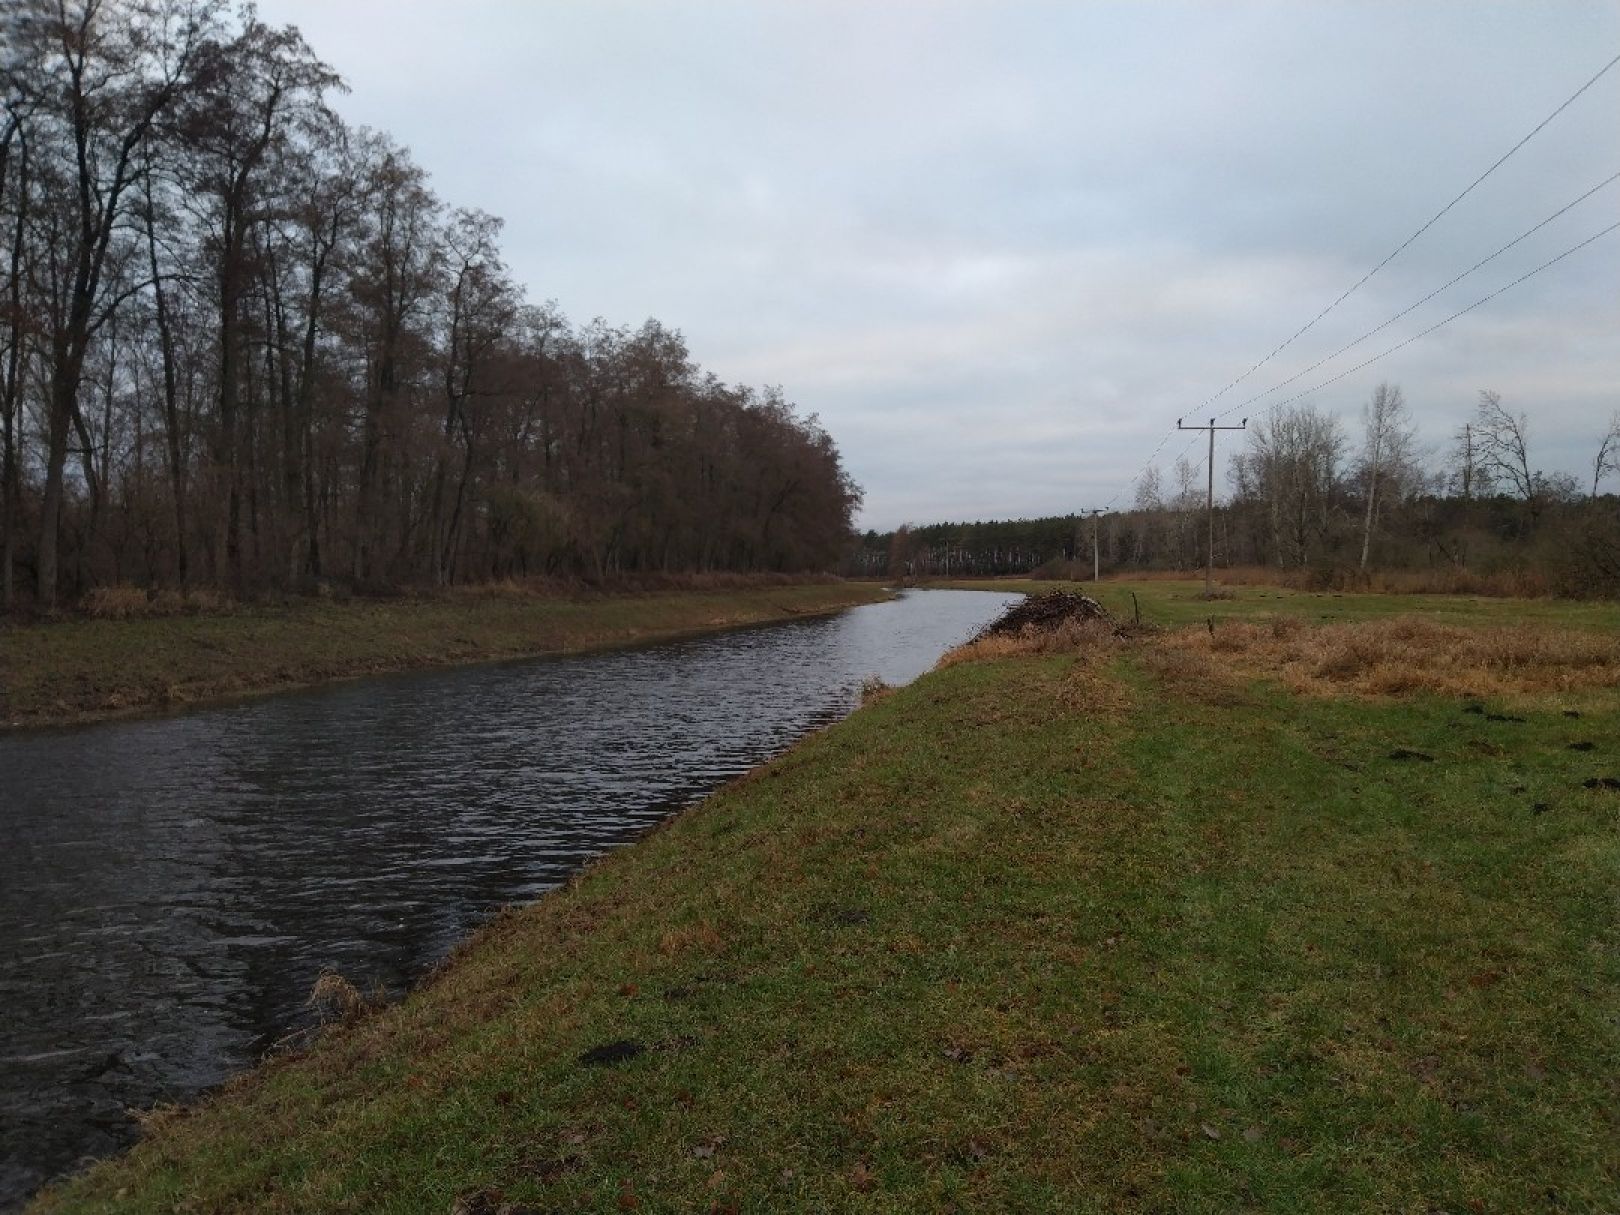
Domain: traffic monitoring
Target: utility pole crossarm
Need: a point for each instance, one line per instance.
(1209, 562)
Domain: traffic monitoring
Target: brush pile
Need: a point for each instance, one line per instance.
(1044, 613)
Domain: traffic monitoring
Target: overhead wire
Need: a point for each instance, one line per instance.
(1485, 299)
(1429, 223)
(1480, 264)
(1461, 312)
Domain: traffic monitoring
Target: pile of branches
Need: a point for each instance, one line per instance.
(1042, 613)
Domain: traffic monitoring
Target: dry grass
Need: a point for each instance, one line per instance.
(334, 998)
(1086, 637)
(1408, 654)
(116, 602)
(1449, 580)
(125, 602)
(873, 689)
(1087, 687)
(552, 586)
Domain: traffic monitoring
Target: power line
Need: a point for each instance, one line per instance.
(1485, 299)
(1461, 312)
(1433, 219)
(1299, 375)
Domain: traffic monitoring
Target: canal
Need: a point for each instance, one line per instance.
(171, 888)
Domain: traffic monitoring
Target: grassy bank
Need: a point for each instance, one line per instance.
(1191, 923)
(77, 670)
(1179, 601)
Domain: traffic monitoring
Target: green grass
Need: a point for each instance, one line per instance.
(1181, 601)
(1039, 934)
(76, 670)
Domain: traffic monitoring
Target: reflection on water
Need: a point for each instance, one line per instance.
(171, 888)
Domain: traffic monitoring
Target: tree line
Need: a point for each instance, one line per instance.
(1319, 505)
(246, 345)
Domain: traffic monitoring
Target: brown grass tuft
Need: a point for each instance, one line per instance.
(116, 602)
(1409, 654)
(702, 937)
(873, 689)
(336, 999)
(1089, 637)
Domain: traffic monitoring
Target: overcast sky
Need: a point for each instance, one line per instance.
(1001, 247)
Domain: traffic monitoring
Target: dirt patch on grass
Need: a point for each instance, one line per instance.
(1406, 655)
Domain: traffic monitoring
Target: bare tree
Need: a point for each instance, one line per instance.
(241, 343)
(1150, 489)
(1467, 479)
(108, 73)
(1607, 459)
(1388, 445)
(1291, 465)
(1503, 446)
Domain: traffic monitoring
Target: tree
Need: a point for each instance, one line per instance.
(241, 343)
(255, 91)
(1387, 445)
(1607, 459)
(1502, 440)
(1290, 466)
(106, 74)
(1467, 479)
(1150, 489)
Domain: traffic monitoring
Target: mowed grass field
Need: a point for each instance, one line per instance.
(78, 670)
(1292, 916)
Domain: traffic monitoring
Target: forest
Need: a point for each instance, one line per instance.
(244, 346)
(1323, 503)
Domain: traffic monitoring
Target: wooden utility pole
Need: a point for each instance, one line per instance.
(1096, 552)
(1209, 562)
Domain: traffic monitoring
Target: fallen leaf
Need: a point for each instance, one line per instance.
(1253, 1134)
(860, 1176)
(717, 1179)
(1210, 1132)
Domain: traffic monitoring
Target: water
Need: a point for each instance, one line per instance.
(171, 888)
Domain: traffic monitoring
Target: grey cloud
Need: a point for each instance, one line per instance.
(1000, 247)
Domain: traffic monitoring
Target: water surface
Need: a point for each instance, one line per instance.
(171, 888)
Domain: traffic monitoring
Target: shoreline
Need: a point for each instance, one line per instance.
(83, 671)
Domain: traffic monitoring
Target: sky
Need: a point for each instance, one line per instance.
(1000, 247)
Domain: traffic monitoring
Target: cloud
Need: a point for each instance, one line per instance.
(999, 248)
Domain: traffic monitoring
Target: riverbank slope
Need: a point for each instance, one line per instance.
(83, 669)
(1271, 917)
